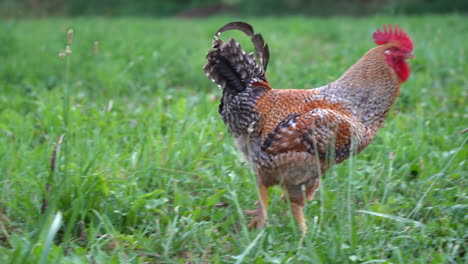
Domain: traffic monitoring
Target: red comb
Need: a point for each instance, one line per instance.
(393, 34)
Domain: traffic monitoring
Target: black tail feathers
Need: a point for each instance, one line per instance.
(261, 48)
(229, 66)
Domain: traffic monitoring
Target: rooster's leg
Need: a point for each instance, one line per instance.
(298, 202)
(298, 212)
(310, 193)
(298, 195)
(261, 213)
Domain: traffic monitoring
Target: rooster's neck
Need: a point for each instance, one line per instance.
(369, 88)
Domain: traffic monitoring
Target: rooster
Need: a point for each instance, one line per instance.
(292, 136)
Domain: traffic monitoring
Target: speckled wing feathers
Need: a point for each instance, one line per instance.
(321, 131)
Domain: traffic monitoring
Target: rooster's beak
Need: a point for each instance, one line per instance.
(409, 55)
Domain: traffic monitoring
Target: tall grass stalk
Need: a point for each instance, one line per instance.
(388, 178)
(349, 197)
(66, 103)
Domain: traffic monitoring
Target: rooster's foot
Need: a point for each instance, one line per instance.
(259, 218)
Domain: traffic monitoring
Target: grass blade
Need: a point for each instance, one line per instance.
(240, 258)
(54, 227)
(392, 217)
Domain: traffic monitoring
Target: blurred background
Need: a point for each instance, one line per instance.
(204, 8)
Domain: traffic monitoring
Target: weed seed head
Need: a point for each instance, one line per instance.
(68, 50)
(96, 47)
(62, 55)
(70, 36)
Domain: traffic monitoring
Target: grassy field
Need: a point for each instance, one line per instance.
(146, 172)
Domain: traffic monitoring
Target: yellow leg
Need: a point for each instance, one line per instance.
(261, 213)
(298, 206)
(298, 212)
(310, 193)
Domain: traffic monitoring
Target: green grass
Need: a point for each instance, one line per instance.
(146, 159)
